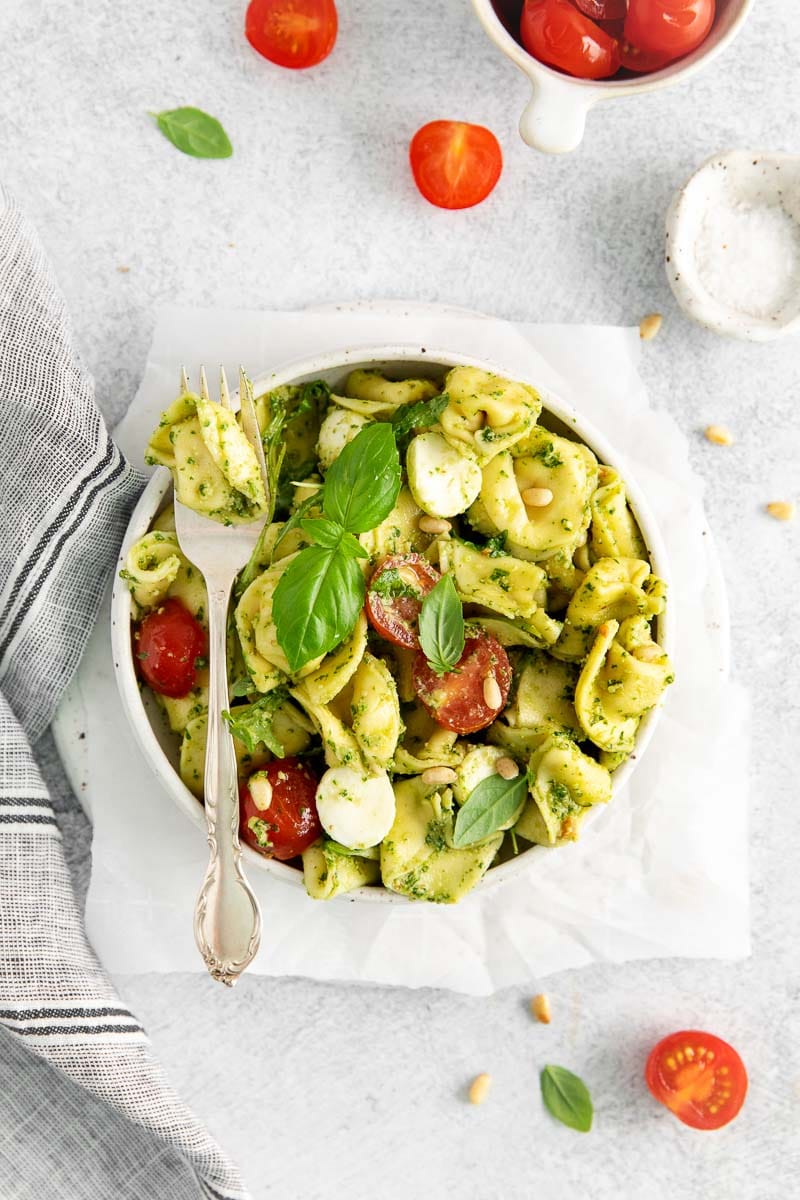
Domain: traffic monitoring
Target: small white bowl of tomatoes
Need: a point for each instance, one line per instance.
(161, 747)
(578, 52)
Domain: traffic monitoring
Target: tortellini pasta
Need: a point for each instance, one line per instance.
(546, 557)
(486, 413)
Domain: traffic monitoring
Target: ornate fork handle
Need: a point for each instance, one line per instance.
(227, 919)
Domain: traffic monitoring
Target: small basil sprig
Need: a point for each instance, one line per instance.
(252, 723)
(491, 804)
(441, 626)
(419, 413)
(321, 592)
(567, 1098)
(194, 132)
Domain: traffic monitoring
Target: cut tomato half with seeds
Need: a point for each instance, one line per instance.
(698, 1077)
(455, 165)
(292, 33)
(395, 595)
(469, 697)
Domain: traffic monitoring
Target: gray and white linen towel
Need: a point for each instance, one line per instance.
(85, 1110)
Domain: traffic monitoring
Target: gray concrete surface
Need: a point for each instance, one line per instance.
(329, 1091)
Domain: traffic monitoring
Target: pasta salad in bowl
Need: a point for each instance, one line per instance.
(448, 647)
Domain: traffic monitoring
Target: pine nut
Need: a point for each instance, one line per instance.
(649, 326)
(720, 435)
(261, 792)
(540, 1007)
(781, 510)
(437, 775)
(491, 692)
(479, 1088)
(506, 768)
(537, 497)
(434, 525)
(648, 652)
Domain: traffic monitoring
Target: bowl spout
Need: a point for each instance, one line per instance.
(555, 117)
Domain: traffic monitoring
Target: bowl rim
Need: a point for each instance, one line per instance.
(151, 501)
(608, 89)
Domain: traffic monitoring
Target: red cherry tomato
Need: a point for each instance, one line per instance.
(278, 809)
(167, 644)
(671, 28)
(641, 61)
(603, 10)
(457, 700)
(292, 33)
(557, 34)
(394, 597)
(455, 165)
(700, 1078)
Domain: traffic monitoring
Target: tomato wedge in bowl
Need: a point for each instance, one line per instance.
(395, 594)
(700, 1078)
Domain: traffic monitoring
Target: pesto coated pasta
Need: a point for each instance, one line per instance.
(500, 649)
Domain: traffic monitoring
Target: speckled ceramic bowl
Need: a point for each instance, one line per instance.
(555, 117)
(160, 746)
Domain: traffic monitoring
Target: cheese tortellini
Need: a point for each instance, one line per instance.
(546, 557)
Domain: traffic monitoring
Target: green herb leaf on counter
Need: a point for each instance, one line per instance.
(194, 132)
(441, 626)
(252, 723)
(419, 413)
(363, 483)
(316, 603)
(566, 1097)
(491, 804)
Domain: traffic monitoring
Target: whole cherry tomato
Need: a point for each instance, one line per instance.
(556, 33)
(461, 699)
(167, 644)
(278, 809)
(395, 594)
(700, 1078)
(671, 28)
(292, 33)
(455, 165)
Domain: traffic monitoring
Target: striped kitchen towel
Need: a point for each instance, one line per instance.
(85, 1111)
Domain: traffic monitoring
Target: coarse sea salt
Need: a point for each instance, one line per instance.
(748, 256)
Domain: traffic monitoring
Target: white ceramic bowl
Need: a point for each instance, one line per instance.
(555, 117)
(160, 746)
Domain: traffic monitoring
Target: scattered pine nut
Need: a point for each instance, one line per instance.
(491, 692)
(437, 775)
(781, 510)
(434, 525)
(479, 1088)
(123, 270)
(649, 326)
(540, 1007)
(537, 497)
(720, 435)
(648, 652)
(506, 768)
(261, 792)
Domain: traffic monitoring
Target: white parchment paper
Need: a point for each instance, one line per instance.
(662, 872)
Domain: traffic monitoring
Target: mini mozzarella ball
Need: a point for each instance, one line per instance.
(355, 809)
(477, 764)
(443, 482)
(338, 428)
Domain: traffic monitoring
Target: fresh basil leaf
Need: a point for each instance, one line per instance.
(194, 132)
(323, 532)
(567, 1098)
(252, 723)
(419, 412)
(363, 483)
(491, 803)
(441, 626)
(316, 603)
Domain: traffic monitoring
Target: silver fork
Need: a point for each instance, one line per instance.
(227, 918)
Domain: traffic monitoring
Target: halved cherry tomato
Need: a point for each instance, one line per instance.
(292, 33)
(167, 644)
(700, 1078)
(457, 700)
(641, 61)
(557, 34)
(671, 28)
(278, 809)
(603, 10)
(394, 597)
(455, 165)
